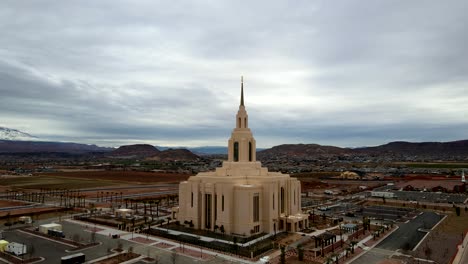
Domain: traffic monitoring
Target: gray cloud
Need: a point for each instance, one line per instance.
(351, 73)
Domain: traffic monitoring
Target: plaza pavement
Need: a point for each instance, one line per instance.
(166, 248)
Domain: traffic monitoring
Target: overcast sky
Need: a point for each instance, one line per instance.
(344, 73)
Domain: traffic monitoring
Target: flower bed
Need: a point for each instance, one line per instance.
(118, 258)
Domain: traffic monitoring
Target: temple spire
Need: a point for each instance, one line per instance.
(242, 91)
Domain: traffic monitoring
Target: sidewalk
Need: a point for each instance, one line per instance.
(366, 248)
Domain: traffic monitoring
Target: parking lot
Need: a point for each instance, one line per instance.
(37, 246)
(431, 197)
(52, 251)
(407, 236)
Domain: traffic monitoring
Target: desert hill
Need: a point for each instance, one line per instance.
(135, 151)
(175, 154)
(435, 149)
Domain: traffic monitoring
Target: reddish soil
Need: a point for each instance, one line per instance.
(311, 184)
(11, 203)
(143, 240)
(163, 245)
(118, 258)
(28, 211)
(193, 253)
(127, 176)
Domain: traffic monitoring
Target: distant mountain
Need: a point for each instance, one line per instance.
(204, 150)
(14, 134)
(12, 146)
(175, 154)
(135, 151)
(454, 148)
(303, 150)
(434, 149)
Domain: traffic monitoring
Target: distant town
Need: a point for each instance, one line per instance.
(118, 205)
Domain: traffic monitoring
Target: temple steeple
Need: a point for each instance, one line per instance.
(242, 90)
(242, 144)
(242, 118)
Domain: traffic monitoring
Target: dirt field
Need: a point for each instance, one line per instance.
(28, 211)
(90, 179)
(50, 182)
(10, 203)
(124, 176)
(440, 244)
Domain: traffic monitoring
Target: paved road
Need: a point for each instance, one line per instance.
(38, 246)
(406, 236)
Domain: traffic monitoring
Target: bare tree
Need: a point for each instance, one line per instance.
(174, 256)
(93, 235)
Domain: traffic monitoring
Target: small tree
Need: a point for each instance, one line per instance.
(337, 257)
(174, 256)
(236, 247)
(76, 238)
(119, 246)
(427, 252)
(283, 255)
(31, 250)
(353, 243)
(300, 252)
(93, 236)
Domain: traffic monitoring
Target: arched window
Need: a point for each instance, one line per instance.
(250, 151)
(236, 151)
(282, 200)
(239, 122)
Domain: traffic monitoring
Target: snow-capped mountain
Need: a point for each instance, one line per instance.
(14, 134)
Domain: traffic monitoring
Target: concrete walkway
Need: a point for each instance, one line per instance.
(108, 231)
(366, 248)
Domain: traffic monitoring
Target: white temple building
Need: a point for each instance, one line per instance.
(242, 197)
